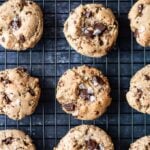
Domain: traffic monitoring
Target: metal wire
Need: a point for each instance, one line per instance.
(43, 80)
(118, 81)
(55, 69)
(132, 115)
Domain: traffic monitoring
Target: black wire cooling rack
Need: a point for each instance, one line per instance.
(52, 56)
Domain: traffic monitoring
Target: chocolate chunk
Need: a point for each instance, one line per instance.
(83, 93)
(147, 77)
(31, 91)
(86, 93)
(30, 3)
(1, 79)
(99, 28)
(88, 14)
(7, 140)
(28, 12)
(15, 23)
(25, 143)
(92, 145)
(139, 94)
(140, 8)
(7, 100)
(24, 3)
(87, 32)
(96, 80)
(22, 38)
(69, 107)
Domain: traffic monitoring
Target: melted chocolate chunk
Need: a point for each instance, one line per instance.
(139, 94)
(92, 145)
(31, 91)
(140, 8)
(28, 12)
(22, 38)
(69, 107)
(97, 81)
(147, 77)
(25, 143)
(15, 23)
(88, 33)
(7, 100)
(99, 28)
(7, 140)
(1, 79)
(83, 93)
(86, 93)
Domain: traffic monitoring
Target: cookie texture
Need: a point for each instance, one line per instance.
(138, 95)
(141, 144)
(140, 21)
(83, 92)
(85, 137)
(15, 140)
(21, 24)
(19, 93)
(91, 30)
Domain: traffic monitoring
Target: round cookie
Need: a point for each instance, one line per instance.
(83, 92)
(15, 140)
(138, 95)
(19, 93)
(141, 144)
(21, 24)
(140, 21)
(91, 30)
(85, 137)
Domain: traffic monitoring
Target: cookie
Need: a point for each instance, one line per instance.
(19, 93)
(91, 30)
(141, 144)
(21, 24)
(15, 140)
(83, 92)
(138, 95)
(85, 137)
(140, 21)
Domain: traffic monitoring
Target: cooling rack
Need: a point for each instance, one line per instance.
(52, 56)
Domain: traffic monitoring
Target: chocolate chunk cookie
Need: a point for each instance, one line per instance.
(91, 30)
(83, 92)
(141, 144)
(15, 140)
(138, 95)
(140, 21)
(85, 137)
(21, 24)
(19, 93)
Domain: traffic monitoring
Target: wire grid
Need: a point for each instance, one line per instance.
(52, 56)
